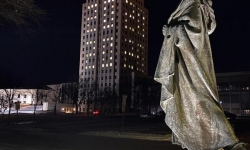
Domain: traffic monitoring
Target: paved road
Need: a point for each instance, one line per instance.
(50, 141)
(68, 132)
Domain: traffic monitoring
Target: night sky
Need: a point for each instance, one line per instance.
(50, 54)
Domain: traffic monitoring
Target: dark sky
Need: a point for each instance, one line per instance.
(51, 53)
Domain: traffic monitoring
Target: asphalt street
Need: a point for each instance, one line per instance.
(70, 132)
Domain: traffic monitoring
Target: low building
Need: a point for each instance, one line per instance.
(234, 92)
(25, 95)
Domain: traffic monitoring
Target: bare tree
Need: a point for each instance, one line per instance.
(154, 92)
(72, 90)
(38, 95)
(8, 95)
(3, 103)
(138, 98)
(19, 12)
(105, 96)
(114, 99)
(8, 89)
(87, 93)
(56, 95)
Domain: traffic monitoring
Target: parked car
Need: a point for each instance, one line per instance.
(230, 115)
(96, 112)
(147, 115)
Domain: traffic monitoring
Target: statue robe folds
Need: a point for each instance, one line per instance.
(185, 69)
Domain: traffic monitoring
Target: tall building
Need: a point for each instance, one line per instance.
(114, 41)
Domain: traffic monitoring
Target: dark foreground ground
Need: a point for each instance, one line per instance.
(70, 132)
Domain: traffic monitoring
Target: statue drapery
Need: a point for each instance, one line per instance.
(189, 95)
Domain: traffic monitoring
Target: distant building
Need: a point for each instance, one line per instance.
(234, 92)
(114, 42)
(25, 95)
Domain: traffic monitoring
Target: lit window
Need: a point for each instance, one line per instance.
(104, 2)
(104, 14)
(107, 65)
(111, 58)
(102, 65)
(88, 7)
(125, 52)
(104, 20)
(103, 40)
(92, 6)
(95, 5)
(93, 66)
(111, 38)
(111, 44)
(110, 64)
(112, 12)
(104, 27)
(103, 52)
(104, 8)
(125, 65)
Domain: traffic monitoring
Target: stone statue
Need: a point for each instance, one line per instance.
(189, 95)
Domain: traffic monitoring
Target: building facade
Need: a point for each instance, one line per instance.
(114, 42)
(234, 92)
